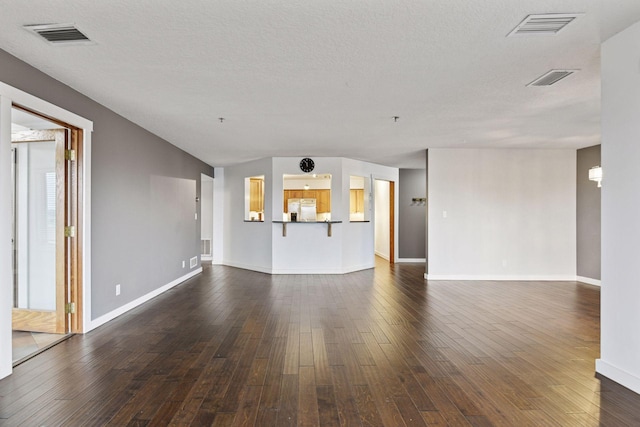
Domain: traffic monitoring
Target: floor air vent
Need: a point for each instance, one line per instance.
(59, 33)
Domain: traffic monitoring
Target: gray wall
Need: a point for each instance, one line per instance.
(412, 217)
(588, 215)
(143, 195)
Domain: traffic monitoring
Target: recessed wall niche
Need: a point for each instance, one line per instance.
(254, 198)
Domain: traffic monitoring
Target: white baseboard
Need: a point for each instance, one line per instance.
(540, 278)
(259, 269)
(303, 271)
(588, 281)
(349, 269)
(515, 277)
(618, 375)
(383, 256)
(400, 260)
(135, 303)
(353, 268)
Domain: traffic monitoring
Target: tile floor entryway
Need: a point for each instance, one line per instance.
(28, 344)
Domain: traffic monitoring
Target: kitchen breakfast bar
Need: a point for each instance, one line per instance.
(288, 215)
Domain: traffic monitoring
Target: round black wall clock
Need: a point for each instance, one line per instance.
(306, 165)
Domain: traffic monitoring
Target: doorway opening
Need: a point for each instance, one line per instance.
(384, 214)
(46, 201)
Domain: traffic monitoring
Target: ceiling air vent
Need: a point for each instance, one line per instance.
(548, 24)
(59, 33)
(551, 77)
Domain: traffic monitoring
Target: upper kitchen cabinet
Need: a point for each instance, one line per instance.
(254, 198)
(311, 193)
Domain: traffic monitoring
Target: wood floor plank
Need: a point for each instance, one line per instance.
(345, 397)
(308, 413)
(288, 414)
(248, 409)
(379, 347)
(327, 406)
(320, 357)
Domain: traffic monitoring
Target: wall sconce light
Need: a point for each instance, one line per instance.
(306, 186)
(595, 174)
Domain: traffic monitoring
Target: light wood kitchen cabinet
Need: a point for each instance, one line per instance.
(256, 195)
(323, 199)
(356, 201)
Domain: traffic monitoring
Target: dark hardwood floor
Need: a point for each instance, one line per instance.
(378, 348)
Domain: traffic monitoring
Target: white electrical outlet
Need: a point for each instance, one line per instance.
(196, 216)
(117, 290)
(444, 214)
(183, 264)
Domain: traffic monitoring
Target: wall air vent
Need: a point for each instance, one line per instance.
(551, 77)
(205, 247)
(59, 33)
(548, 24)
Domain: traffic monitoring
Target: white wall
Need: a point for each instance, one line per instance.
(382, 231)
(356, 182)
(620, 294)
(358, 237)
(217, 246)
(314, 184)
(510, 214)
(247, 244)
(306, 249)
(206, 207)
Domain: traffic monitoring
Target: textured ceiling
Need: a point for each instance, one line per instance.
(325, 78)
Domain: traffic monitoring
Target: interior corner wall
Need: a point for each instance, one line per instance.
(141, 229)
(206, 201)
(217, 246)
(412, 215)
(247, 244)
(358, 245)
(620, 293)
(588, 196)
(502, 214)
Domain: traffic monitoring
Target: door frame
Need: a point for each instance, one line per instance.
(69, 248)
(57, 321)
(392, 213)
(10, 95)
